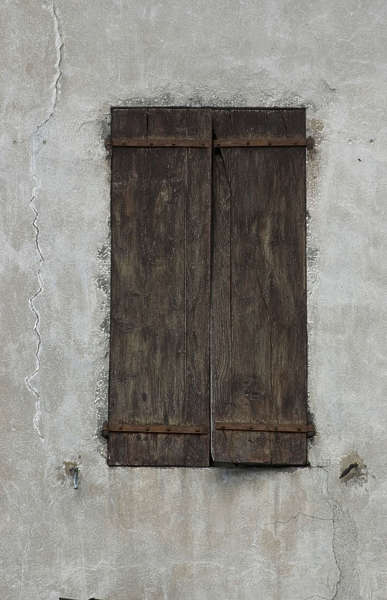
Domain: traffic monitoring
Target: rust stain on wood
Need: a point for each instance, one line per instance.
(165, 429)
(160, 142)
(270, 427)
(261, 141)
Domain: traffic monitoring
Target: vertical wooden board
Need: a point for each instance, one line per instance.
(160, 261)
(179, 123)
(267, 123)
(220, 337)
(144, 123)
(129, 122)
(289, 364)
(148, 286)
(266, 303)
(197, 282)
(158, 450)
(229, 404)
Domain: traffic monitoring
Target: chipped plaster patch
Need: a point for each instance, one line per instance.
(102, 282)
(353, 469)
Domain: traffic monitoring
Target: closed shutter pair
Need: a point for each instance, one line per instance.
(208, 305)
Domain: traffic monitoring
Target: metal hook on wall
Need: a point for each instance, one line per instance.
(74, 472)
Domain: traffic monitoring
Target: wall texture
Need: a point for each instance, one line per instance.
(234, 534)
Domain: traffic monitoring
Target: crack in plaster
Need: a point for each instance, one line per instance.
(296, 516)
(36, 143)
(334, 509)
(59, 46)
(36, 329)
(333, 519)
(339, 579)
(334, 536)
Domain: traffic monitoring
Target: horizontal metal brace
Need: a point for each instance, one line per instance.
(169, 142)
(165, 429)
(265, 427)
(203, 429)
(262, 141)
(161, 142)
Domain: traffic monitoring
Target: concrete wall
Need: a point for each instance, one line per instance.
(234, 534)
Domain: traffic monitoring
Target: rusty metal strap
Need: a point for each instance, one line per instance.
(165, 429)
(204, 430)
(161, 142)
(265, 427)
(263, 141)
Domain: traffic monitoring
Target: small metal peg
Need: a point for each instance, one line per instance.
(74, 471)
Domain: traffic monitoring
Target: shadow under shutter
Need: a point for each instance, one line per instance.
(161, 192)
(258, 316)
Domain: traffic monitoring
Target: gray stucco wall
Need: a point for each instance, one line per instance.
(187, 534)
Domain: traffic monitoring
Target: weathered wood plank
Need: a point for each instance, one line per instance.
(259, 126)
(220, 337)
(161, 126)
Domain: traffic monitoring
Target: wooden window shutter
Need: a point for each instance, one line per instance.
(258, 331)
(161, 194)
(208, 318)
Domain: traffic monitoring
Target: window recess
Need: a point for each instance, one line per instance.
(208, 304)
